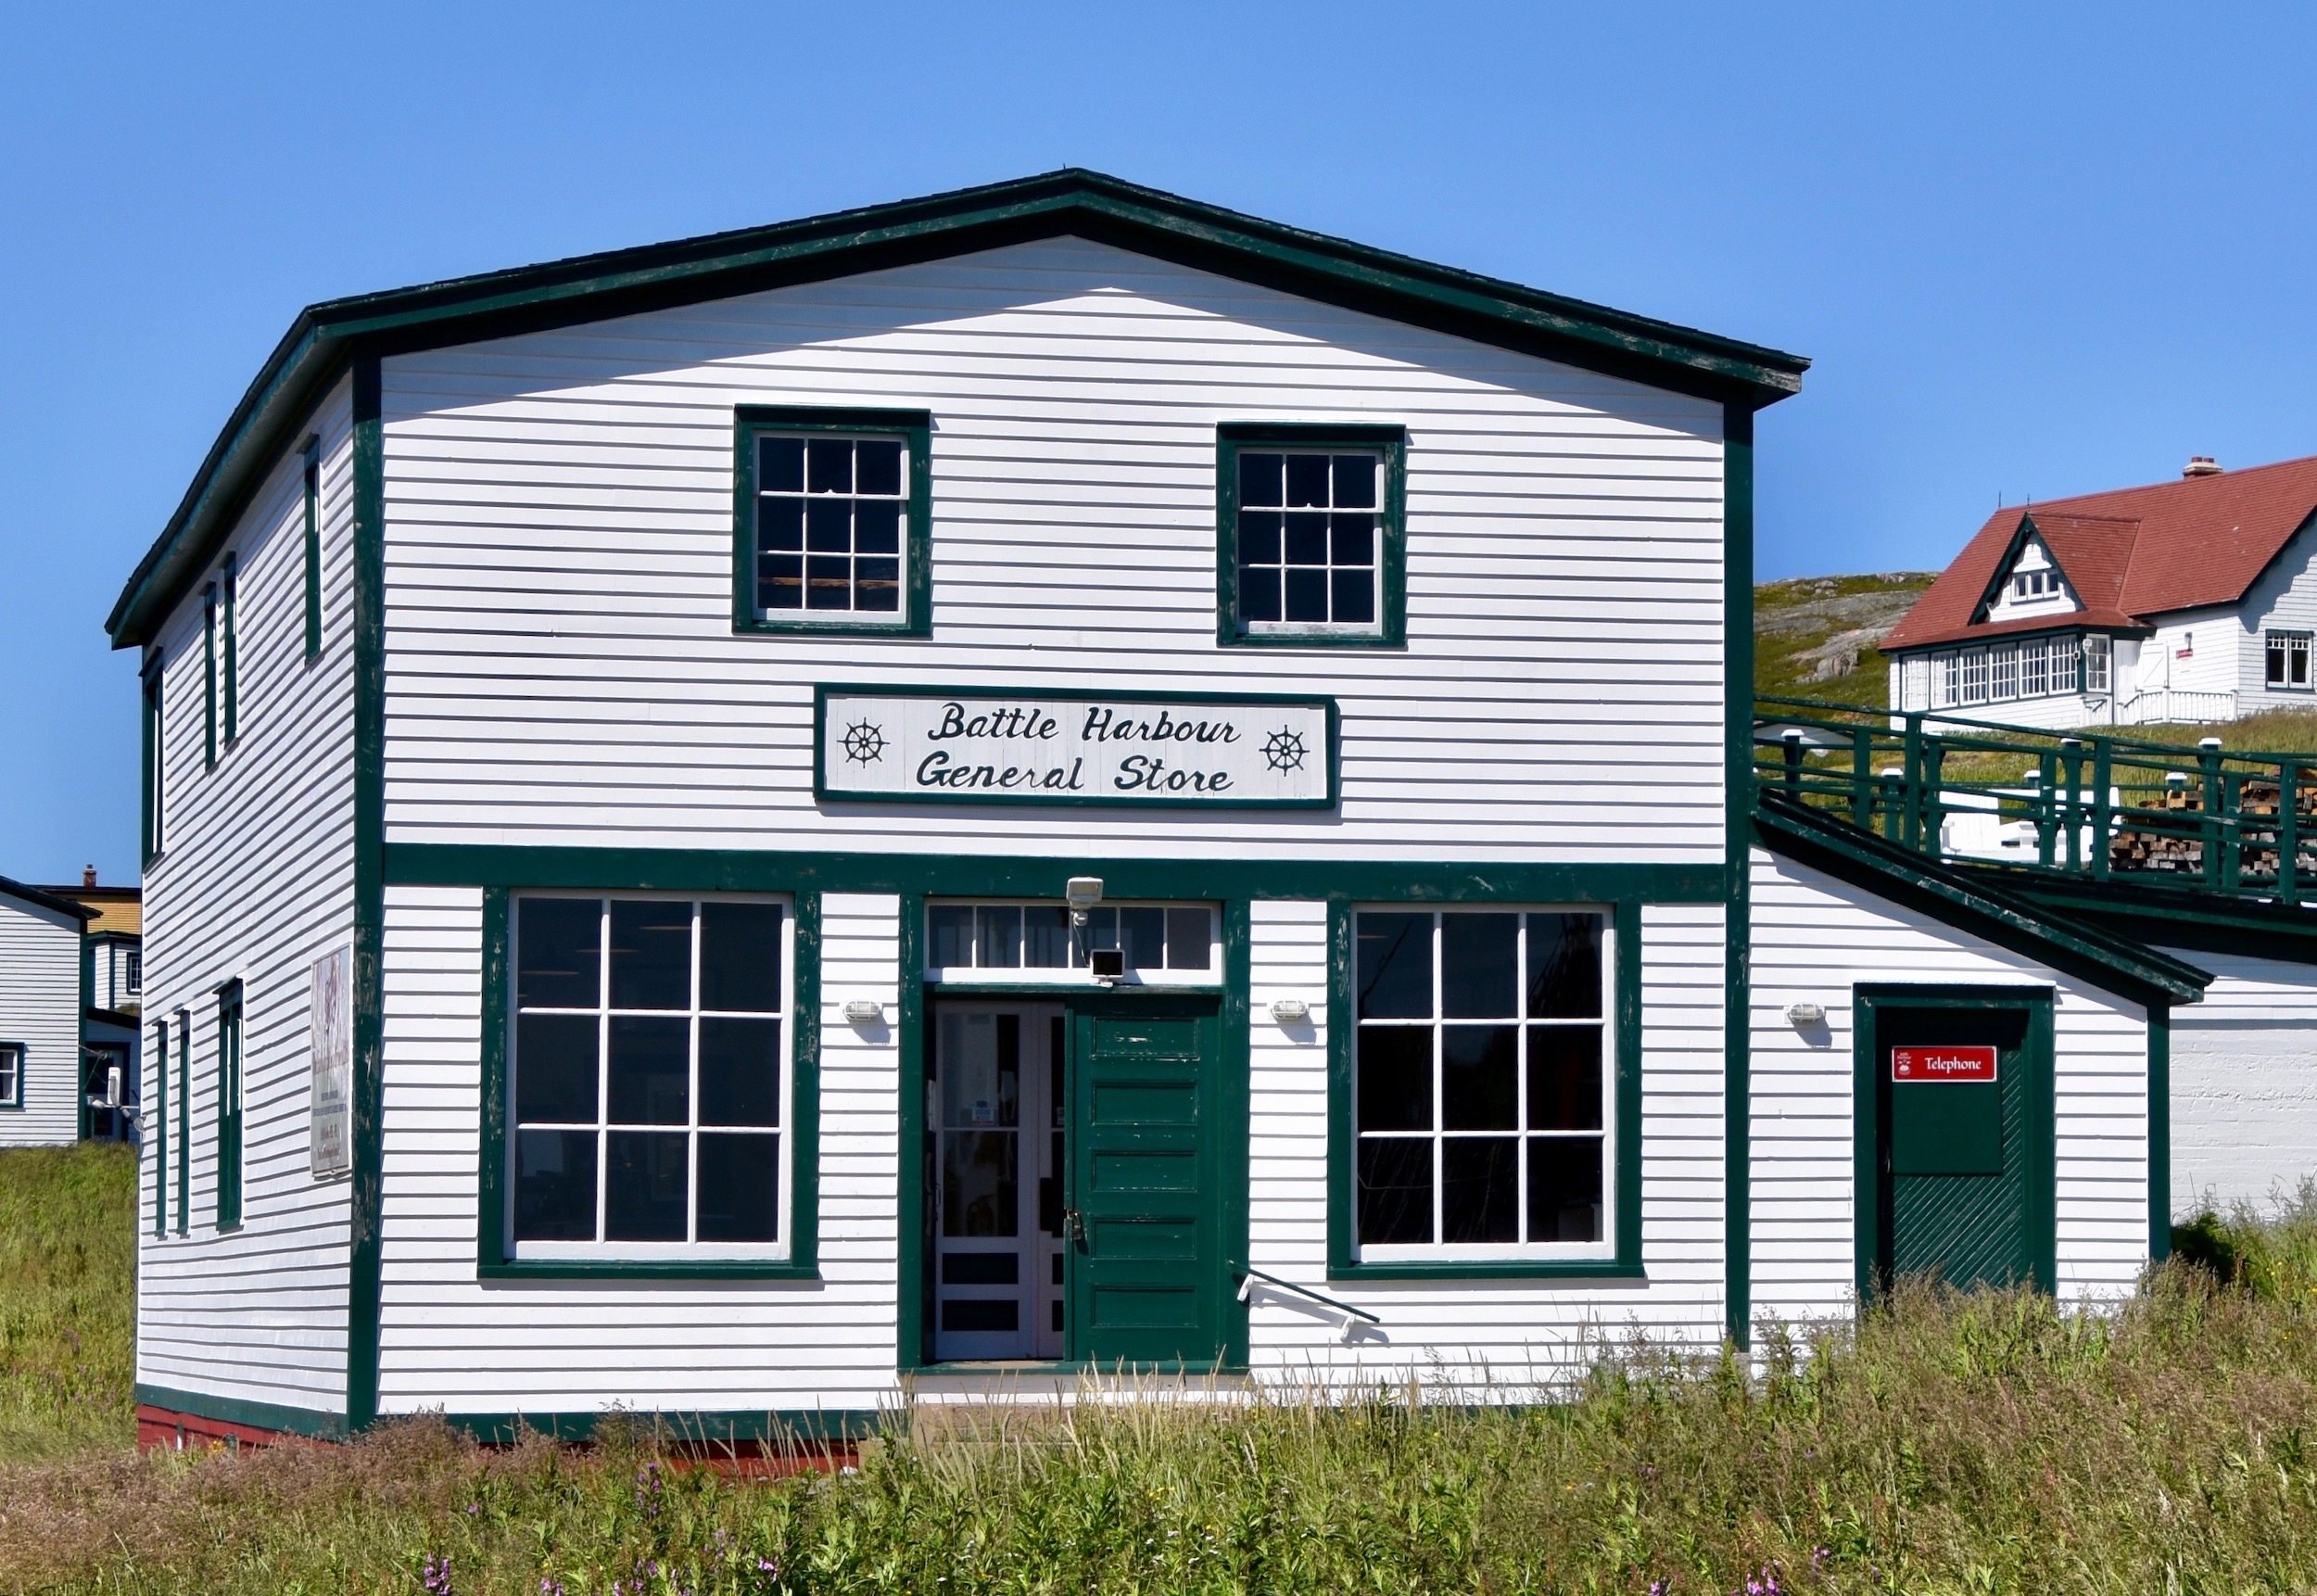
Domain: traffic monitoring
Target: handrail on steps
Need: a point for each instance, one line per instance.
(1249, 1276)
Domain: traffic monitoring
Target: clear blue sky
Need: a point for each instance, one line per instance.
(2032, 252)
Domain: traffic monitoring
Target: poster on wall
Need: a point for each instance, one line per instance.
(331, 1039)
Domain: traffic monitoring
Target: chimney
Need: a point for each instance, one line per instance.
(88, 875)
(2201, 466)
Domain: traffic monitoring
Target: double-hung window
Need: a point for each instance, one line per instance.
(1974, 671)
(2003, 671)
(2034, 678)
(2288, 662)
(1481, 1090)
(228, 1106)
(1310, 534)
(650, 1079)
(11, 1074)
(2097, 649)
(831, 516)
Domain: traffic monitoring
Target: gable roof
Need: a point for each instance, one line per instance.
(2130, 554)
(1074, 202)
(46, 900)
(1901, 876)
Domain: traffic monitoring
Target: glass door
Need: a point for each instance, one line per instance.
(998, 1117)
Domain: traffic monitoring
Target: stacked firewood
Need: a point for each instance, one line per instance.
(2175, 842)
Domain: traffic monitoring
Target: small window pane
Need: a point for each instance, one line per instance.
(555, 1185)
(1259, 479)
(827, 526)
(1479, 1077)
(1394, 1189)
(1258, 594)
(1045, 938)
(1565, 1201)
(1395, 957)
(780, 465)
(739, 1188)
(1190, 938)
(780, 526)
(1307, 539)
(1259, 538)
(1395, 1078)
(1351, 540)
(979, 1314)
(1355, 481)
(1564, 1078)
(652, 954)
(828, 583)
(1307, 479)
(740, 956)
(829, 466)
(1479, 954)
(1142, 936)
(1480, 1180)
(651, 1073)
(561, 942)
(1354, 596)
(1564, 966)
(878, 463)
(1001, 938)
(555, 1068)
(781, 585)
(980, 1188)
(1304, 591)
(950, 929)
(740, 1071)
(644, 1188)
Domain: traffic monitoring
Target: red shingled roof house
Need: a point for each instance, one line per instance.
(2193, 600)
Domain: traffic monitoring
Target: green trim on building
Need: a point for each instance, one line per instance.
(229, 590)
(231, 1084)
(1738, 789)
(1343, 1026)
(2160, 1131)
(706, 1430)
(2042, 1218)
(184, 1024)
(366, 1200)
(1001, 875)
(823, 794)
(310, 478)
(157, 1110)
(1899, 875)
(15, 1100)
(152, 791)
(914, 1281)
(491, 1259)
(750, 422)
(1068, 203)
(1391, 596)
(208, 677)
(290, 1420)
(2167, 918)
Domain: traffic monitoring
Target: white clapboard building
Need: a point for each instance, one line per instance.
(41, 1014)
(923, 801)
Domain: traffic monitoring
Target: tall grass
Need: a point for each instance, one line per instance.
(1944, 1443)
(68, 1279)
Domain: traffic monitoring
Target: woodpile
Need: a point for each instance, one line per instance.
(2175, 843)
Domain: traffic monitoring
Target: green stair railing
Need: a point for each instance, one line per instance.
(2082, 803)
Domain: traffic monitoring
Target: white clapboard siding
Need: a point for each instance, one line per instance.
(2244, 1084)
(254, 882)
(1814, 938)
(447, 1340)
(561, 662)
(1502, 1337)
(39, 1011)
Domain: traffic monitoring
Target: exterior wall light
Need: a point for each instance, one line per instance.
(1290, 1011)
(863, 1011)
(1802, 1016)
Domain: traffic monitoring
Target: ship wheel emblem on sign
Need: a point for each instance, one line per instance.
(1283, 750)
(864, 743)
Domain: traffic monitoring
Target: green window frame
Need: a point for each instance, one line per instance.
(184, 1121)
(159, 1112)
(756, 497)
(155, 750)
(209, 676)
(1235, 625)
(229, 588)
(1617, 1254)
(311, 480)
(229, 1106)
(11, 1074)
(500, 1254)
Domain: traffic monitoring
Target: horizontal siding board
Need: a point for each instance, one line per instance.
(2244, 1097)
(40, 1010)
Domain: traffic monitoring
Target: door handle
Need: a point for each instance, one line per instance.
(1076, 1222)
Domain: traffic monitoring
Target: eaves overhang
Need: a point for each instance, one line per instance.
(2115, 964)
(324, 337)
(49, 901)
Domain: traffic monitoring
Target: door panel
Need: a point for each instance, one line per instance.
(1150, 1279)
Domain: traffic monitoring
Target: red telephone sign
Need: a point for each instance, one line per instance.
(1974, 1063)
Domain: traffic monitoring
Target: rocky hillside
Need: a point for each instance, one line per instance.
(1814, 637)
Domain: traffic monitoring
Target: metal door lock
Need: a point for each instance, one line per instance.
(1076, 1222)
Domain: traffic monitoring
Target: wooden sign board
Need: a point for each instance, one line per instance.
(1942, 1064)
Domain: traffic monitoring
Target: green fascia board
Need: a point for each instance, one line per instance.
(49, 901)
(290, 1420)
(2206, 922)
(2114, 964)
(1072, 201)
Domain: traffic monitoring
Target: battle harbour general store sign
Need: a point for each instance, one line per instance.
(1106, 748)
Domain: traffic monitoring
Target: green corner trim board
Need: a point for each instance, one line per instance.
(324, 337)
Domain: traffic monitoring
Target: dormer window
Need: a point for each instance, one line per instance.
(2034, 584)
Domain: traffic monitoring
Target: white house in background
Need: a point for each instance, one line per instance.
(925, 800)
(40, 1016)
(2187, 600)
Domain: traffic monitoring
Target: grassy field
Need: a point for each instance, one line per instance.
(1943, 1444)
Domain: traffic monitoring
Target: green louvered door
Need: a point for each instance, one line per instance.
(1956, 1180)
(1149, 1282)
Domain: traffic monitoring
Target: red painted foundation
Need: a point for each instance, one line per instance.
(190, 1432)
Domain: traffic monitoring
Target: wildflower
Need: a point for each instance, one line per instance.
(435, 1577)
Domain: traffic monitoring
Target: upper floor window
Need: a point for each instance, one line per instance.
(831, 519)
(2288, 661)
(312, 494)
(154, 753)
(133, 971)
(11, 1074)
(1310, 534)
(2034, 584)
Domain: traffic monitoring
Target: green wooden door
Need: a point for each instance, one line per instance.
(1959, 1179)
(1148, 1281)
